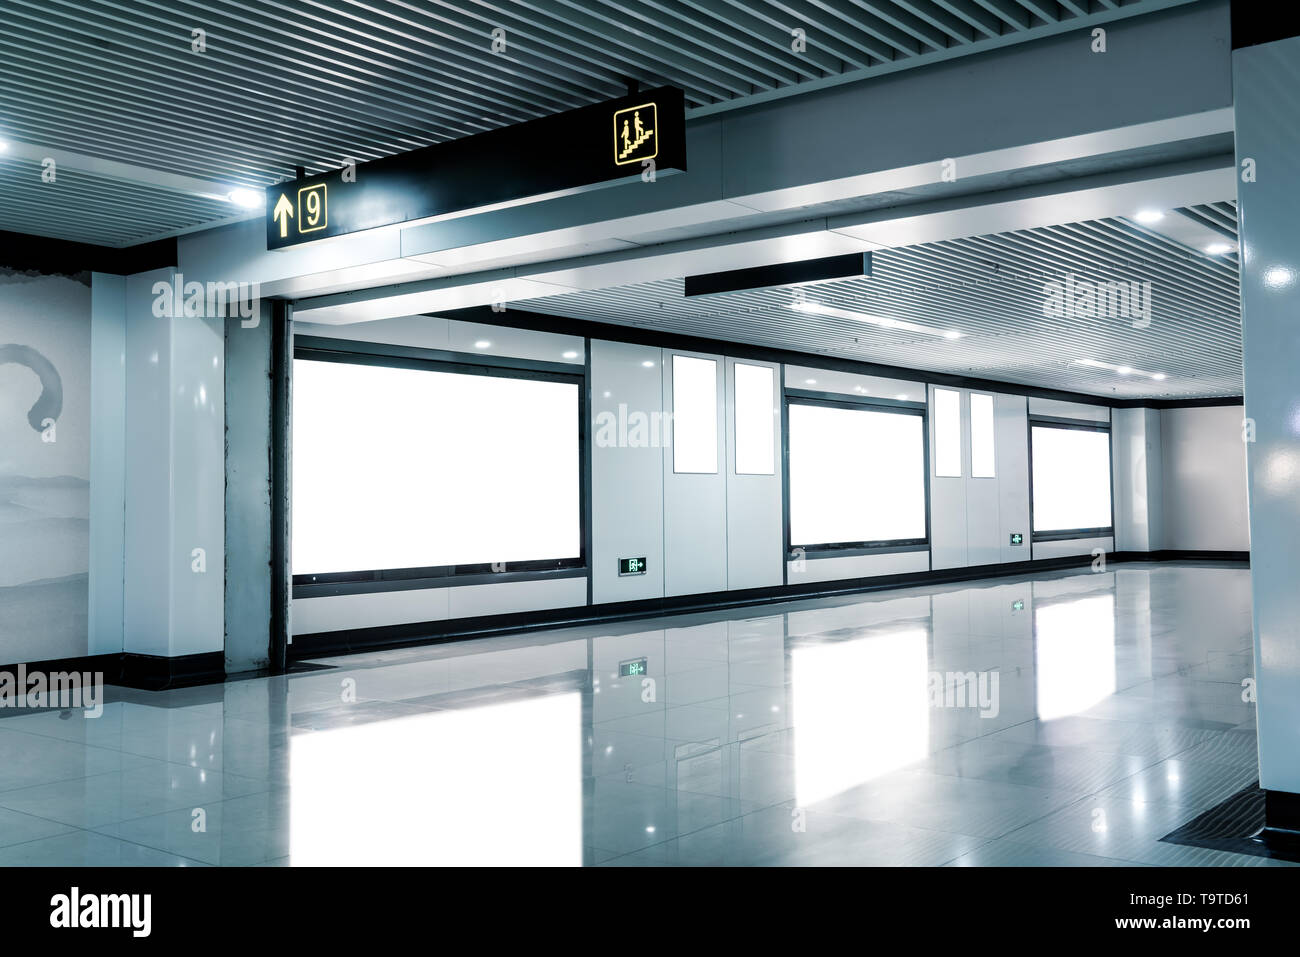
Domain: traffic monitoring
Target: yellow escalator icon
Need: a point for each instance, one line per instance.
(634, 134)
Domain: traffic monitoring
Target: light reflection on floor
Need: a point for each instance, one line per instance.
(854, 730)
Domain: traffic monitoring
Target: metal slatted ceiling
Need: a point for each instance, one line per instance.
(991, 290)
(95, 209)
(313, 82)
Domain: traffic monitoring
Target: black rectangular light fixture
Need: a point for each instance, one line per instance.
(848, 266)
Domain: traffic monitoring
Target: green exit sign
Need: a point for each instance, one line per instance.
(632, 669)
(631, 566)
(1017, 538)
(1018, 605)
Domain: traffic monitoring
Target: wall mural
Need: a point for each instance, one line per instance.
(44, 466)
(47, 408)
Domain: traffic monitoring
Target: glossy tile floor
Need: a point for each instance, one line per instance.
(1072, 718)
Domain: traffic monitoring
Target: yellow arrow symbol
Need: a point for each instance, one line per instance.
(283, 210)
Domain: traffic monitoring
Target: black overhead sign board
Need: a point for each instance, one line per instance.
(569, 152)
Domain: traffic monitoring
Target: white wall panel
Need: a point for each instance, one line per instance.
(754, 518)
(1069, 410)
(1073, 546)
(1137, 469)
(850, 383)
(369, 610)
(1205, 479)
(948, 509)
(503, 598)
(1012, 438)
(417, 332)
(695, 503)
(107, 463)
(434, 332)
(856, 566)
(516, 343)
(149, 562)
(627, 479)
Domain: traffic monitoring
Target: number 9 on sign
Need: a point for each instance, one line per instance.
(313, 213)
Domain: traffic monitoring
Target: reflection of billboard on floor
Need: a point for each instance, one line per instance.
(494, 786)
(1075, 654)
(861, 710)
(44, 466)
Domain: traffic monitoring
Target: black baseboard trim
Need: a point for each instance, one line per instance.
(328, 644)
(159, 673)
(131, 670)
(1180, 555)
(1282, 818)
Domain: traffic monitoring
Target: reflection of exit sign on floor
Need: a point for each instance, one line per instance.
(1017, 538)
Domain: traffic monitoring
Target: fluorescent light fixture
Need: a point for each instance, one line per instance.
(809, 381)
(1218, 249)
(247, 198)
(1121, 370)
(818, 309)
(570, 354)
(648, 364)
(482, 344)
(1149, 216)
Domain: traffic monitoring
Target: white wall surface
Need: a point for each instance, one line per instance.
(1204, 482)
(627, 480)
(175, 478)
(754, 518)
(1137, 490)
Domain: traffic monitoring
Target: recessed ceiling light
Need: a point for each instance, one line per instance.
(570, 354)
(1121, 370)
(1150, 216)
(1218, 249)
(1278, 276)
(809, 381)
(952, 334)
(3, 146)
(482, 344)
(648, 364)
(901, 397)
(247, 198)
